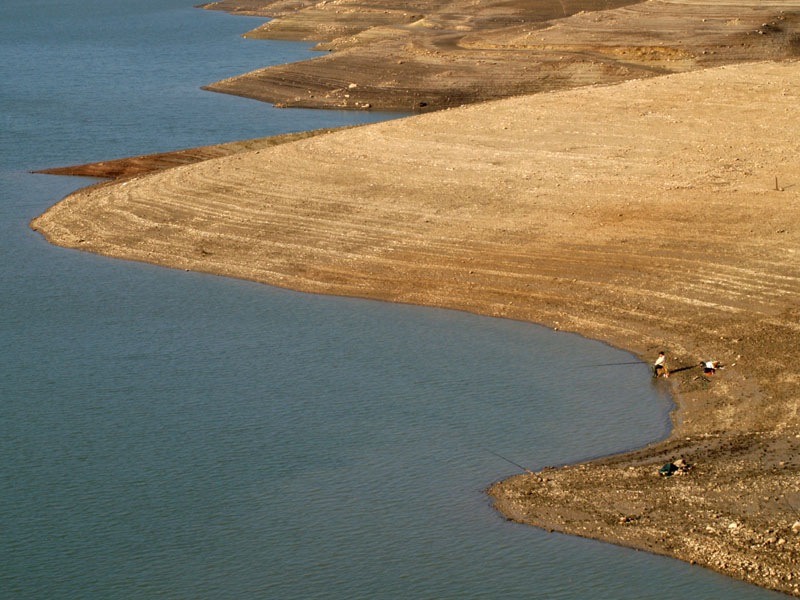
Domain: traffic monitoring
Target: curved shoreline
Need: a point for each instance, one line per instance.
(513, 209)
(652, 222)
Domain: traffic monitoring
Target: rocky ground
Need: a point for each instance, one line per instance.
(655, 214)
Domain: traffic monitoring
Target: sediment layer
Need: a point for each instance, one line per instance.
(654, 214)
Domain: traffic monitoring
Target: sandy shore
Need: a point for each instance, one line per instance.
(653, 214)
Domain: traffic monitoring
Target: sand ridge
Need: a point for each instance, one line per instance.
(655, 214)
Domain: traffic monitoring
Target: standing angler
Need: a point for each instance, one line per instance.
(660, 366)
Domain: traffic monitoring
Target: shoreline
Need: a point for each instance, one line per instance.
(493, 225)
(650, 224)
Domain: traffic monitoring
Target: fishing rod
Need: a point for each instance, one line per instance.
(508, 460)
(637, 362)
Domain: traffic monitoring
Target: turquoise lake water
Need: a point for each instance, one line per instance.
(166, 434)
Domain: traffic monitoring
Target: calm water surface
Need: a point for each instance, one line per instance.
(171, 435)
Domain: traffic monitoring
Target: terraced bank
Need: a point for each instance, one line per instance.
(423, 56)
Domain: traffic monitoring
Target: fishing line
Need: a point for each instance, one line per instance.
(508, 460)
(635, 362)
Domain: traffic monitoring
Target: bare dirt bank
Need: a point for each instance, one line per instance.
(644, 214)
(422, 56)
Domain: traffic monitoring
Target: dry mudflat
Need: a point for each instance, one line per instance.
(660, 213)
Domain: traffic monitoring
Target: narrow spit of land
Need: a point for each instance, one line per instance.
(123, 168)
(656, 214)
